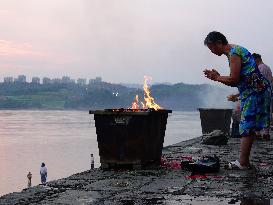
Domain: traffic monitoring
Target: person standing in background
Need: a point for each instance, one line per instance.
(43, 173)
(264, 69)
(267, 73)
(92, 162)
(29, 176)
(236, 114)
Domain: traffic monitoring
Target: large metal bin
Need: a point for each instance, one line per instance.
(128, 138)
(215, 119)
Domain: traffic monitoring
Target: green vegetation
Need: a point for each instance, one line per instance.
(105, 95)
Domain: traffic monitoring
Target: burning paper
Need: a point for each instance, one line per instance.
(149, 100)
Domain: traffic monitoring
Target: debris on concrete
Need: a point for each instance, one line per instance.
(217, 137)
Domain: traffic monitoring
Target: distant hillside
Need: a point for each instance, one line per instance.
(105, 95)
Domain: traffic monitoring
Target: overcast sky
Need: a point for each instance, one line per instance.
(123, 40)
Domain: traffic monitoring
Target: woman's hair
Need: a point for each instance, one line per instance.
(43, 164)
(215, 37)
(256, 56)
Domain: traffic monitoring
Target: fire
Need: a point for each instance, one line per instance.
(150, 103)
(149, 100)
(135, 103)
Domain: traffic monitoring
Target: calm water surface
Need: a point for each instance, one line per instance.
(63, 140)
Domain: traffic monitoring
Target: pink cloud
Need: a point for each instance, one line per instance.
(4, 11)
(9, 48)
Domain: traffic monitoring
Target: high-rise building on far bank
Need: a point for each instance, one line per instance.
(81, 81)
(8, 79)
(97, 80)
(46, 80)
(35, 80)
(21, 79)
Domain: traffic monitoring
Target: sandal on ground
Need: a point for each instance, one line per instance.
(237, 166)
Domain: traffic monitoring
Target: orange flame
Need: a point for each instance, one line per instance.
(150, 103)
(149, 100)
(143, 105)
(135, 103)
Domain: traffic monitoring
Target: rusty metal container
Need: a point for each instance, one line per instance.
(130, 139)
(215, 119)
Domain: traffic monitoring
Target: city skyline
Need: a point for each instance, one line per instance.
(44, 80)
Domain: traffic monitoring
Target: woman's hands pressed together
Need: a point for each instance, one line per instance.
(211, 74)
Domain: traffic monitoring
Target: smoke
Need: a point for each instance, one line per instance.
(213, 96)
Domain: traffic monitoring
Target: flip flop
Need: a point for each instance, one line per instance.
(237, 166)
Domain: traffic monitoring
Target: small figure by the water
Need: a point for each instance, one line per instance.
(43, 173)
(29, 176)
(92, 161)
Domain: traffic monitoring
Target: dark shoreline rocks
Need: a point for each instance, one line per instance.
(163, 186)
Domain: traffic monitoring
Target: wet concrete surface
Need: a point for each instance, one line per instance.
(164, 186)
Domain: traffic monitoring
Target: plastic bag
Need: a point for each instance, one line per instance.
(205, 164)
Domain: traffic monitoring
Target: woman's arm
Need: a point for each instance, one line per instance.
(235, 68)
(234, 77)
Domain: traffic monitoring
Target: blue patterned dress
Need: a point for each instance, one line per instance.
(255, 93)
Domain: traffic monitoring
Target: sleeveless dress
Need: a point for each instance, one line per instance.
(255, 94)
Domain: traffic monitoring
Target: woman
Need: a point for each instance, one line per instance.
(253, 88)
(43, 173)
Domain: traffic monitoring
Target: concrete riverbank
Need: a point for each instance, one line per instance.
(164, 186)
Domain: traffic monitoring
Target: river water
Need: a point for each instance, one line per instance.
(63, 140)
